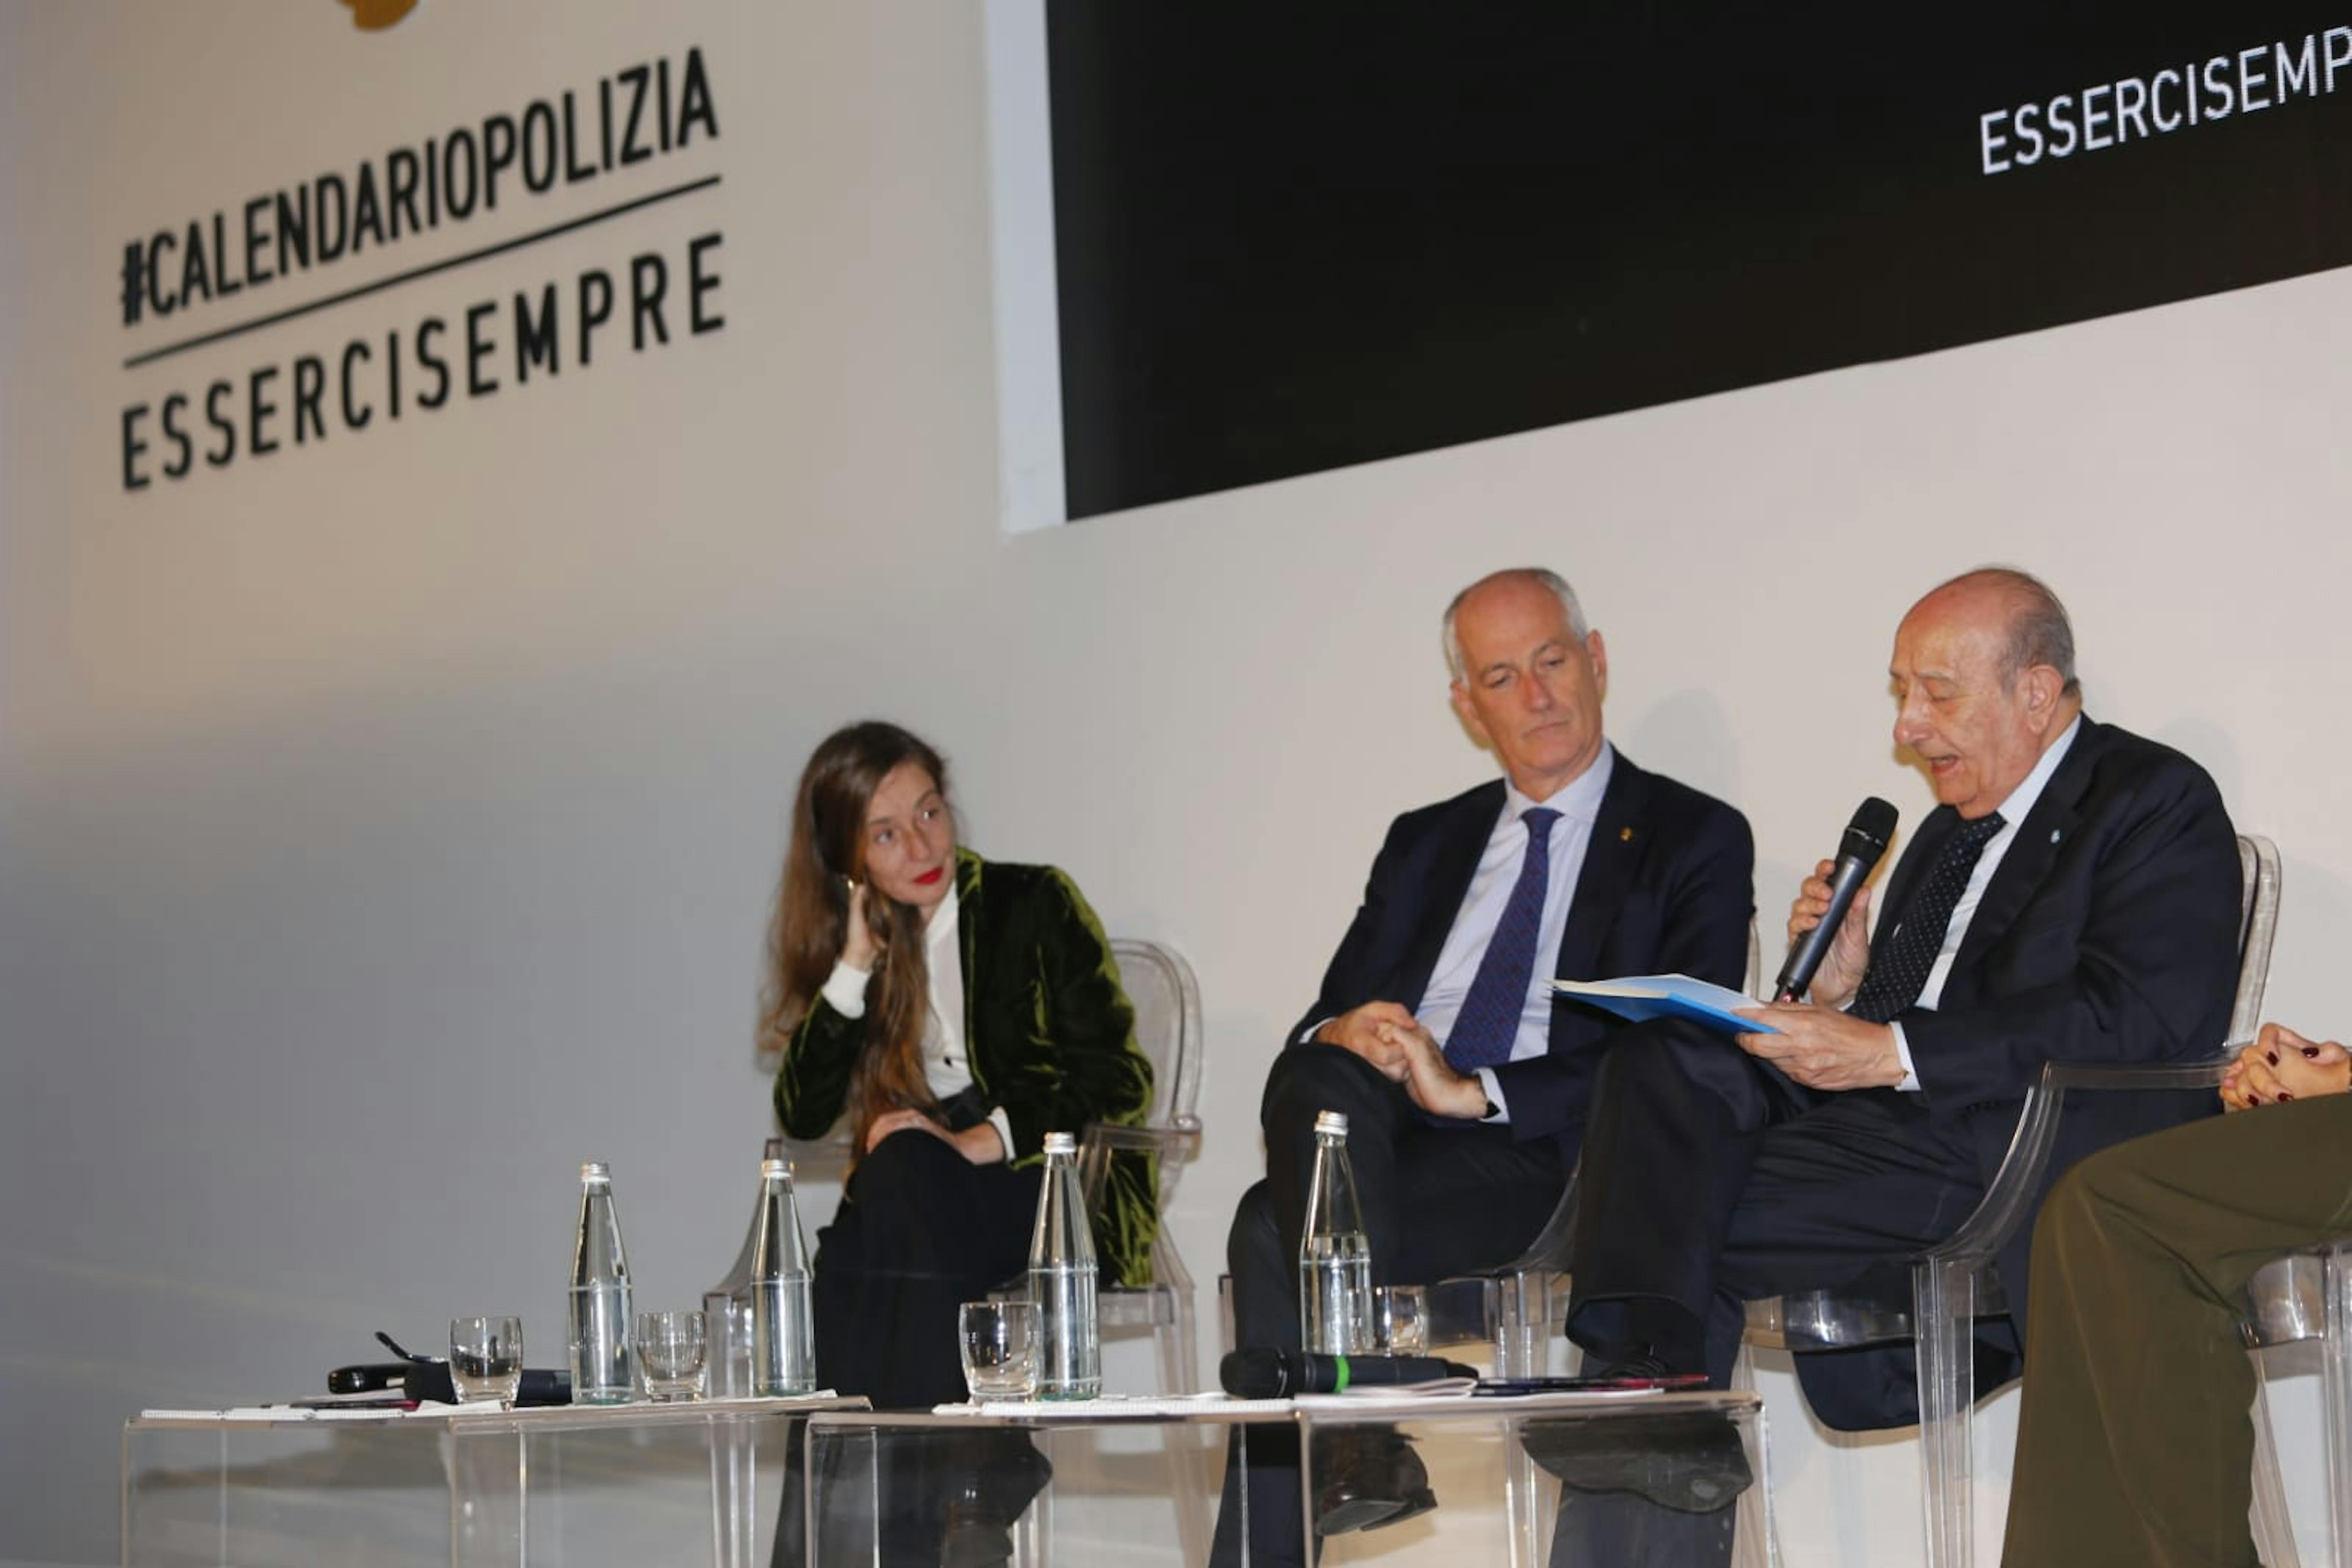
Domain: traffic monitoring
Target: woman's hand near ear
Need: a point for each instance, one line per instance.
(858, 948)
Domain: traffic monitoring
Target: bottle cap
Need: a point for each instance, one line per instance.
(775, 1168)
(1331, 1121)
(595, 1171)
(1061, 1143)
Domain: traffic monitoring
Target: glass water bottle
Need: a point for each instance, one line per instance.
(1062, 1280)
(727, 1306)
(784, 1337)
(603, 1368)
(1335, 1258)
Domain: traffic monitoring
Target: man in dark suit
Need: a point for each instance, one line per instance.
(1435, 1030)
(2074, 897)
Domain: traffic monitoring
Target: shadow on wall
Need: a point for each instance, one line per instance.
(1686, 735)
(2216, 748)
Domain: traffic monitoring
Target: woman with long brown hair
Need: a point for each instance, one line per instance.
(957, 1010)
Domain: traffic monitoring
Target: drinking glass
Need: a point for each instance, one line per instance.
(486, 1359)
(999, 1342)
(1400, 1319)
(671, 1347)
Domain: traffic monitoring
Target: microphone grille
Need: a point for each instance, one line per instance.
(1874, 820)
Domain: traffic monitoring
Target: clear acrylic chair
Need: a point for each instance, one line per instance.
(1167, 1002)
(1168, 1029)
(1954, 1283)
(2304, 1297)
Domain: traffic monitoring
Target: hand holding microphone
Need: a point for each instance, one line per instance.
(1829, 925)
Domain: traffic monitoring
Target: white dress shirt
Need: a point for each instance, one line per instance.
(947, 1057)
(2013, 812)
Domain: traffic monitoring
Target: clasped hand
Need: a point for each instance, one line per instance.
(2281, 1065)
(978, 1143)
(1394, 1042)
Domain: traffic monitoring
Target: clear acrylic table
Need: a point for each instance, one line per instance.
(1137, 1480)
(572, 1487)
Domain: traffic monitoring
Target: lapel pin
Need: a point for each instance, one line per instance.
(2054, 834)
(1624, 836)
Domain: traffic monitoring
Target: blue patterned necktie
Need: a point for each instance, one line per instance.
(1488, 1024)
(1900, 973)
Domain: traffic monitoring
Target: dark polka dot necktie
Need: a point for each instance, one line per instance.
(1488, 1023)
(1900, 971)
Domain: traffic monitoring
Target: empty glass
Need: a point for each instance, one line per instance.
(486, 1359)
(671, 1348)
(999, 1342)
(1400, 1319)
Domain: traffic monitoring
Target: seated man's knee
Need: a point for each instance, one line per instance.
(1667, 1052)
(1315, 1076)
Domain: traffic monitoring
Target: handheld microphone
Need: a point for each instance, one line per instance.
(1864, 842)
(1269, 1374)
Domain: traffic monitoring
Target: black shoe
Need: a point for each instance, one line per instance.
(1010, 1473)
(1006, 1473)
(1368, 1481)
(973, 1536)
(1691, 1463)
(1641, 1367)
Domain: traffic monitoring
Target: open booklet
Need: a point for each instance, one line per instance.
(1645, 996)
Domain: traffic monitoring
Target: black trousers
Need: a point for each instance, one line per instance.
(1710, 1179)
(1439, 1199)
(920, 1230)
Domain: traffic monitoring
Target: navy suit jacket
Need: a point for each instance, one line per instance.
(2110, 933)
(1668, 885)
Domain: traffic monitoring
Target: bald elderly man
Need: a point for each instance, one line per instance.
(2072, 897)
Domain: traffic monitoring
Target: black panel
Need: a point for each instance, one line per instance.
(1293, 237)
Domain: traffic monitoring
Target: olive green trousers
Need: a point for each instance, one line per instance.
(2135, 1440)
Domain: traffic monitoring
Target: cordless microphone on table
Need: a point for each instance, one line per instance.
(1864, 842)
(1268, 1373)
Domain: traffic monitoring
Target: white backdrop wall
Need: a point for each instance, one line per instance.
(387, 823)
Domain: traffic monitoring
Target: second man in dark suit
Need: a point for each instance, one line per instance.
(1436, 1029)
(2072, 898)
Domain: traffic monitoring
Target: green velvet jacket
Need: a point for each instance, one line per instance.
(1050, 1033)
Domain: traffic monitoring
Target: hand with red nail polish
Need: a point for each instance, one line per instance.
(2282, 1066)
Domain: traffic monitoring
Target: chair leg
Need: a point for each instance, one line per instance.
(2274, 1528)
(1194, 1456)
(1943, 1308)
(1757, 1542)
(1522, 1510)
(2335, 1394)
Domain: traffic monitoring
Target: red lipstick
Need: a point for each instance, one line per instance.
(933, 875)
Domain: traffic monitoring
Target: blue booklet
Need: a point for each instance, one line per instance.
(1645, 996)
